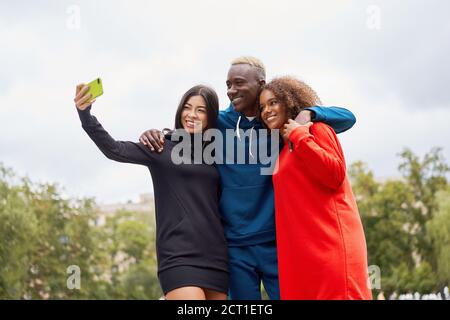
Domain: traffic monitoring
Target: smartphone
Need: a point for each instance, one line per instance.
(95, 88)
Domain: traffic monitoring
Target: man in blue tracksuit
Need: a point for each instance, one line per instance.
(247, 199)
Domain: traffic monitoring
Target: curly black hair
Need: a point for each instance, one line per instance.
(293, 94)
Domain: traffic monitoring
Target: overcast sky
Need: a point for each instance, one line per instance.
(386, 61)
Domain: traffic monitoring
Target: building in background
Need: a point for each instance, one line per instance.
(145, 204)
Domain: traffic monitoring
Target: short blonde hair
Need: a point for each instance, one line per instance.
(251, 61)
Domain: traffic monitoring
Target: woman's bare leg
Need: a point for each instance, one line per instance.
(186, 293)
(215, 295)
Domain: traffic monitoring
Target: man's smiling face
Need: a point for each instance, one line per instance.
(243, 86)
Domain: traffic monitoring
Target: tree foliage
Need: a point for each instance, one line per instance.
(42, 234)
(406, 222)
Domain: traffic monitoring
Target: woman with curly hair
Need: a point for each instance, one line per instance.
(320, 238)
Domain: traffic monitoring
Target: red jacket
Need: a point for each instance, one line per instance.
(320, 239)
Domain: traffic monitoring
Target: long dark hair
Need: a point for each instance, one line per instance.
(212, 105)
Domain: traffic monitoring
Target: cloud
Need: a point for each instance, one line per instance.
(149, 53)
(406, 57)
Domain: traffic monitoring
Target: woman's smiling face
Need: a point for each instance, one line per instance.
(193, 116)
(272, 112)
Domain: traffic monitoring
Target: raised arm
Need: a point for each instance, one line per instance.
(340, 119)
(122, 151)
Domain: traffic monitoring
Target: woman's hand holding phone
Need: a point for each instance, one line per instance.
(83, 97)
(85, 93)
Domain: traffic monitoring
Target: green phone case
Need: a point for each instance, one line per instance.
(95, 88)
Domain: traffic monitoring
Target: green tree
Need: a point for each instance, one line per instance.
(425, 178)
(384, 216)
(130, 239)
(395, 215)
(42, 234)
(438, 230)
(17, 227)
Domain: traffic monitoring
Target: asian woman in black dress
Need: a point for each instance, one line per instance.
(190, 242)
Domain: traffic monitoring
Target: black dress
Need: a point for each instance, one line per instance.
(190, 242)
